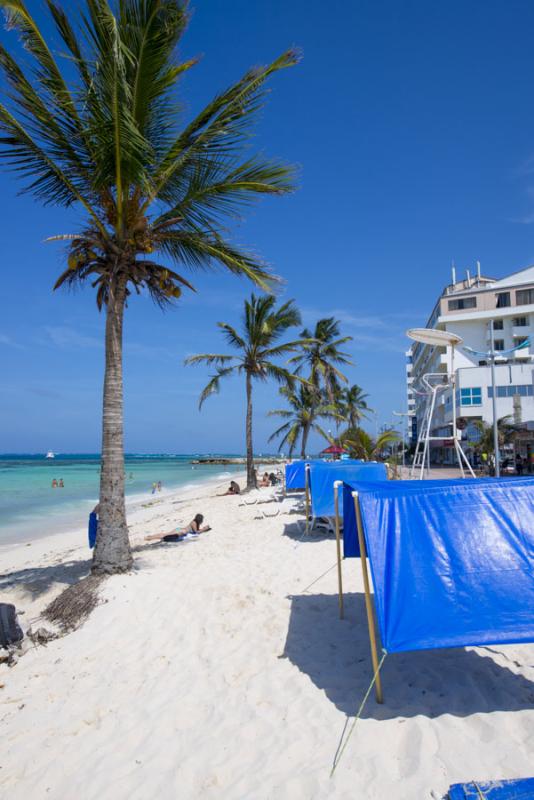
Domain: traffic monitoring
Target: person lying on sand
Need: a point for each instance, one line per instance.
(194, 528)
(233, 489)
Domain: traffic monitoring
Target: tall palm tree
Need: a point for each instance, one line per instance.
(353, 404)
(101, 131)
(321, 354)
(361, 444)
(258, 344)
(306, 407)
(484, 442)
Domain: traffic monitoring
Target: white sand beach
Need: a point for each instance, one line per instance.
(216, 670)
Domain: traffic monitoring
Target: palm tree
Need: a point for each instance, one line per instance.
(306, 408)
(321, 353)
(362, 445)
(353, 404)
(484, 442)
(100, 131)
(258, 344)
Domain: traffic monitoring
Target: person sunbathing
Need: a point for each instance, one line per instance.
(233, 489)
(193, 529)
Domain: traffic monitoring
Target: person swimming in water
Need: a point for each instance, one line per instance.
(193, 529)
(54, 484)
(61, 484)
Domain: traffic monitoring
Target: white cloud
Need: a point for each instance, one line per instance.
(369, 331)
(66, 338)
(9, 342)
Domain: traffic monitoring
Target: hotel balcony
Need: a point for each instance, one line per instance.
(521, 330)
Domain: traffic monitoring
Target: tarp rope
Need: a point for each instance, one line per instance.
(343, 743)
(319, 578)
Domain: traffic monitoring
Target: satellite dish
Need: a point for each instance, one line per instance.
(434, 337)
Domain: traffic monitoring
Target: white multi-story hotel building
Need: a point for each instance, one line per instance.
(467, 308)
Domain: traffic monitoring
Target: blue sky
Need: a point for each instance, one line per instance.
(413, 127)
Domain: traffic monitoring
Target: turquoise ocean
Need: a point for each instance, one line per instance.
(30, 507)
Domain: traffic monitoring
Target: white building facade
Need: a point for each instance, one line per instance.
(468, 308)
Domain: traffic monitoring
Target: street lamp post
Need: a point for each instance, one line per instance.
(494, 403)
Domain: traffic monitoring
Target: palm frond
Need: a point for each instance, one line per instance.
(48, 73)
(232, 336)
(280, 412)
(208, 358)
(24, 155)
(202, 250)
(219, 129)
(213, 387)
(216, 189)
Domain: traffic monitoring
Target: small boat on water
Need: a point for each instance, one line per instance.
(50, 454)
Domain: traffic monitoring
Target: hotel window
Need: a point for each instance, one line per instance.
(503, 299)
(461, 303)
(471, 396)
(523, 297)
(520, 340)
(498, 324)
(524, 390)
(499, 344)
(520, 322)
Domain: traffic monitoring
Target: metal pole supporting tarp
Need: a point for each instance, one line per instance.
(368, 601)
(337, 484)
(307, 473)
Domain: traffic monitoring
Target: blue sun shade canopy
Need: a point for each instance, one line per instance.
(452, 565)
(322, 477)
(521, 789)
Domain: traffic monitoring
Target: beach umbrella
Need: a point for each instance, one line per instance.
(334, 450)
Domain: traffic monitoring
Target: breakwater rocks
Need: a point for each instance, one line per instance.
(261, 460)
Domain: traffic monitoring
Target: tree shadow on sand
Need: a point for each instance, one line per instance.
(335, 654)
(35, 581)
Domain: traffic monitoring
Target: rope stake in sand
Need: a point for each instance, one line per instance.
(342, 744)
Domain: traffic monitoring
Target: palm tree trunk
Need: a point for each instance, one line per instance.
(305, 434)
(112, 551)
(251, 478)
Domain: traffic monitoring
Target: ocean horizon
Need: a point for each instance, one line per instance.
(30, 507)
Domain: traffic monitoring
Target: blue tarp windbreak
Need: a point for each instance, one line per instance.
(521, 789)
(452, 565)
(323, 476)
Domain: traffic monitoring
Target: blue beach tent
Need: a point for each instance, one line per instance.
(452, 565)
(521, 789)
